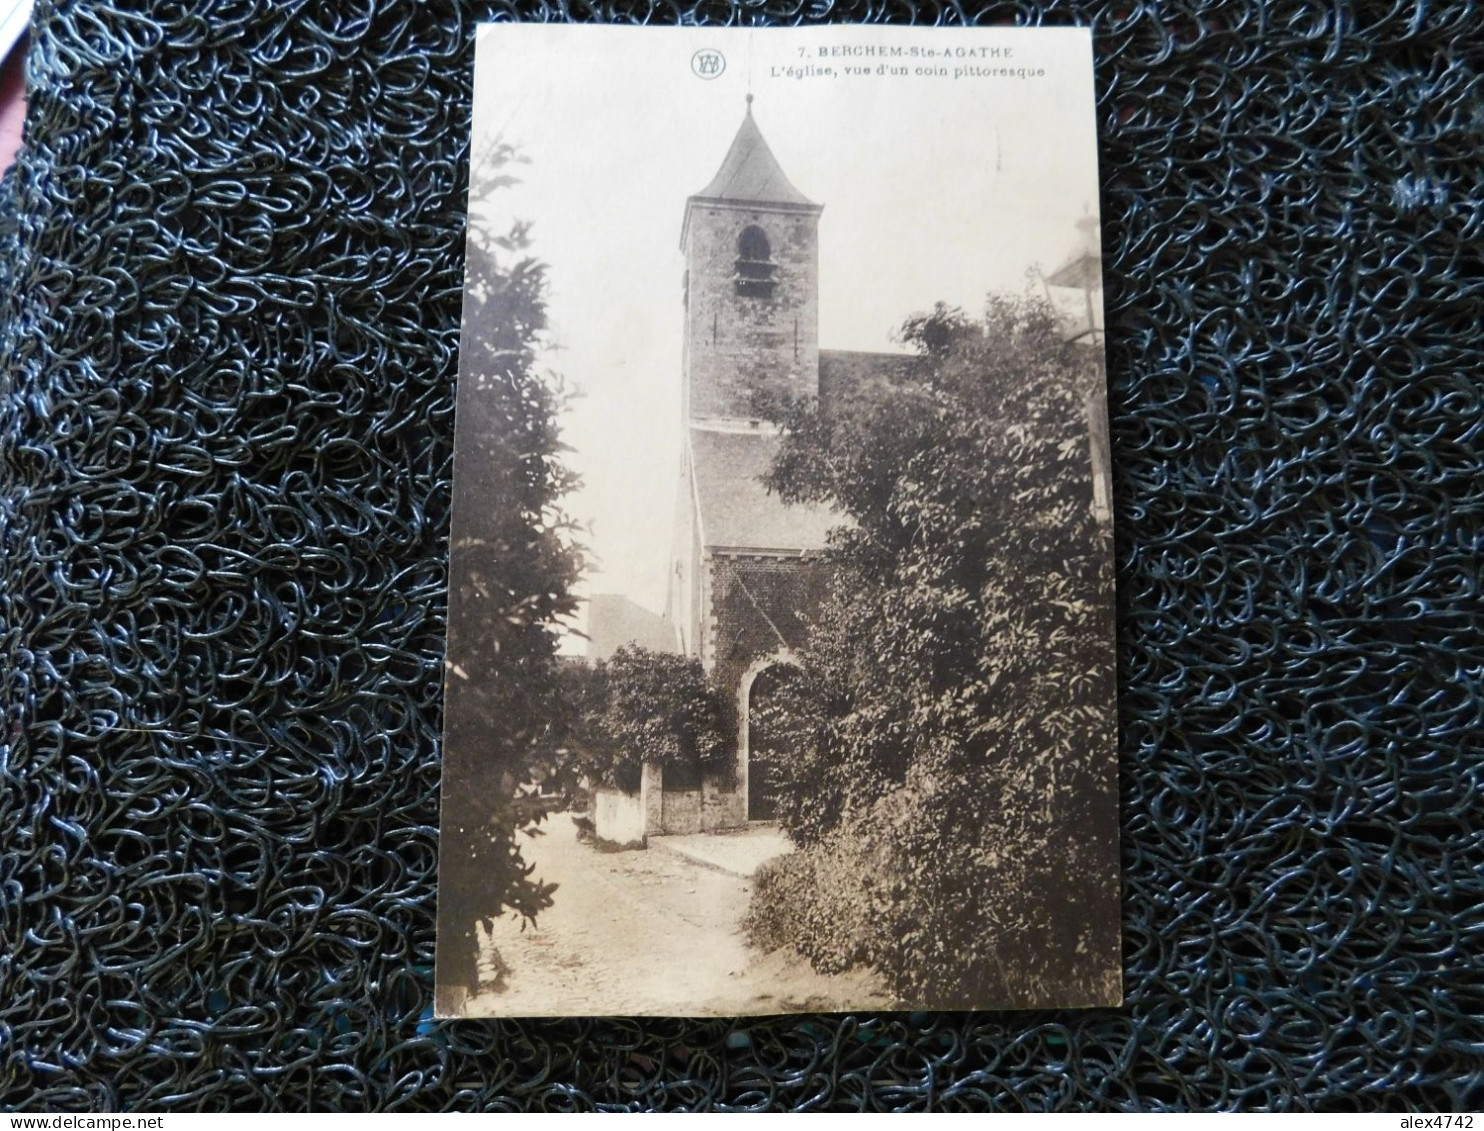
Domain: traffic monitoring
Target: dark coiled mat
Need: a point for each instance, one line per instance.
(232, 250)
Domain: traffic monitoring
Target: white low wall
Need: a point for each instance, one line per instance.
(618, 817)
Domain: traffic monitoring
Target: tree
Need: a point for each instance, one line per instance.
(654, 707)
(564, 764)
(512, 564)
(954, 713)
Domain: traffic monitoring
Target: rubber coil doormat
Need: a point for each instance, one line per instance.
(232, 248)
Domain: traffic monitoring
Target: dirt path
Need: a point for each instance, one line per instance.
(647, 932)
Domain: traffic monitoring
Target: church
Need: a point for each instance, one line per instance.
(745, 570)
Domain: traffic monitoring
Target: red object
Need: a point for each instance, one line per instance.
(12, 103)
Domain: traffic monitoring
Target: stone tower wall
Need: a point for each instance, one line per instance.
(735, 343)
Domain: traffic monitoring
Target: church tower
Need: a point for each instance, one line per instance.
(745, 570)
(751, 245)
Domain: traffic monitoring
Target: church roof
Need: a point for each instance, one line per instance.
(737, 512)
(751, 173)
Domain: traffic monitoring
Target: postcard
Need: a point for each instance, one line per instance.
(780, 671)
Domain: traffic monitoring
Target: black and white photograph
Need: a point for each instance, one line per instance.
(780, 672)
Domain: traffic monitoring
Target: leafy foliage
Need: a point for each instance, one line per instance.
(512, 563)
(954, 721)
(562, 765)
(645, 706)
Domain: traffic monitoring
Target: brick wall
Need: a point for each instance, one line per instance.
(682, 812)
(751, 596)
(723, 804)
(715, 806)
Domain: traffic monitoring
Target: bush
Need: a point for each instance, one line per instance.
(953, 791)
(941, 910)
(644, 706)
(815, 902)
(789, 745)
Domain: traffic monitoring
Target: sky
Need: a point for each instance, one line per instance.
(942, 183)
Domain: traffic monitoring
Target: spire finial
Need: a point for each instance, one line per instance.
(749, 102)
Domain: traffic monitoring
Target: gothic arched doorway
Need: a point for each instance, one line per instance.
(769, 741)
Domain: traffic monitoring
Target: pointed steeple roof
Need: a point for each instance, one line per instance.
(751, 173)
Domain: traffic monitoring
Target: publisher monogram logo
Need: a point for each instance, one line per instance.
(708, 64)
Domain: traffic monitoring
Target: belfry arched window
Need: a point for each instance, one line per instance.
(755, 266)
